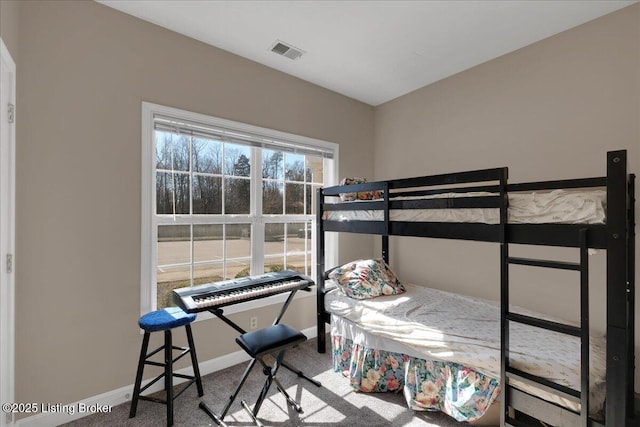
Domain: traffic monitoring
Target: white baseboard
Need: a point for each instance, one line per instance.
(63, 413)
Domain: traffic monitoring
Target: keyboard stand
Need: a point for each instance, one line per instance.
(218, 312)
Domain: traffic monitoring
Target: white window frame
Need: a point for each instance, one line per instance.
(149, 222)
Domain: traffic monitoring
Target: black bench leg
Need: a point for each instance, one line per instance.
(270, 377)
(255, 419)
(301, 374)
(219, 418)
(295, 405)
(212, 414)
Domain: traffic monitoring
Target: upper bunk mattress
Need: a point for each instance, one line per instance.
(439, 325)
(557, 207)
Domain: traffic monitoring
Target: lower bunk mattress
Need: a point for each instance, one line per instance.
(442, 350)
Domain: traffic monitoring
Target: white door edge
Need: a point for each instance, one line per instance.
(7, 231)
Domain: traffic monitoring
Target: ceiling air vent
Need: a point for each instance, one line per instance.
(287, 50)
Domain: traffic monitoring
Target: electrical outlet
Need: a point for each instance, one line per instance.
(253, 323)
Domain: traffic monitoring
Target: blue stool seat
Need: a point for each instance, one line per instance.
(165, 320)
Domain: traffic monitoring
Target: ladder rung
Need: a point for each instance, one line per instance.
(562, 265)
(545, 324)
(543, 381)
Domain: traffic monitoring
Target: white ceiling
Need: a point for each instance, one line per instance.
(373, 51)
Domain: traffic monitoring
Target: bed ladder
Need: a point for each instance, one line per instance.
(517, 400)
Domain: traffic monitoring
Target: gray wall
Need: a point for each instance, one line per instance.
(83, 70)
(9, 18)
(83, 73)
(548, 111)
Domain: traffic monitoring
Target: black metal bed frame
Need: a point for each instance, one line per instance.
(617, 236)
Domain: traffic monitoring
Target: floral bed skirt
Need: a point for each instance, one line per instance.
(427, 385)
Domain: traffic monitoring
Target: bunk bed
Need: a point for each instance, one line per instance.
(482, 206)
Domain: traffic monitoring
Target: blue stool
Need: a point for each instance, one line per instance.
(165, 320)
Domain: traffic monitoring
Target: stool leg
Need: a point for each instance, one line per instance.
(255, 419)
(194, 360)
(295, 405)
(218, 418)
(168, 374)
(267, 384)
(136, 388)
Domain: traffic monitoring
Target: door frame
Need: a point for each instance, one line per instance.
(7, 231)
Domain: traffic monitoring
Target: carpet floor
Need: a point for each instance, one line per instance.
(332, 404)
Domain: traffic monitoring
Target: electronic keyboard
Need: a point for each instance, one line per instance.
(210, 296)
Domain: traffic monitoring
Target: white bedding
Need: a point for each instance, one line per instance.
(438, 325)
(558, 206)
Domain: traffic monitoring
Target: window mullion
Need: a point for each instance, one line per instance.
(224, 251)
(286, 240)
(191, 183)
(191, 256)
(284, 184)
(223, 185)
(191, 177)
(257, 222)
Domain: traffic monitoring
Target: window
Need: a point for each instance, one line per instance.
(223, 199)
